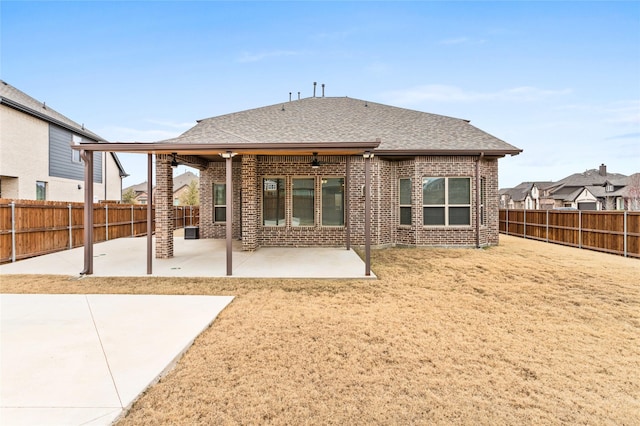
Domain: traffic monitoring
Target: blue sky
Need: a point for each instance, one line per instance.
(560, 80)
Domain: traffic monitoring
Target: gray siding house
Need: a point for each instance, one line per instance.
(36, 156)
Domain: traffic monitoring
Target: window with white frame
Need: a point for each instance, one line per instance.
(273, 201)
(41, 190)
(75, 154)
(333, 201)
(405, 201)
(303, 199)
(446, 201)
(219, 202)
(483, 200)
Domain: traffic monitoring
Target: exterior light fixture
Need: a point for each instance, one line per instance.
(174, 161)
(368, 154)
(315, 163)
(227, 154)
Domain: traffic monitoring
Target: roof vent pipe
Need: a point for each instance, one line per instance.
(289, 96)
(314, 89)
(323, 90)
(298, 95)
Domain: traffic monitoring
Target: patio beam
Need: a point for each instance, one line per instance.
(228, 156)
(367, 212)
(149, 214)
(347, 201)
(87, 157)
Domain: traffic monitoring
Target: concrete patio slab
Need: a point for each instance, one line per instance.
(198, 258)
(83, 359)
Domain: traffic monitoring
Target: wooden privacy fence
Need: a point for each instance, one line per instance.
(616, 232)
(33, 228)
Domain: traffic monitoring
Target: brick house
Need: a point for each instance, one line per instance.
(306, 173)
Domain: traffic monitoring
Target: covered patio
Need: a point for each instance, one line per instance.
(198, 258)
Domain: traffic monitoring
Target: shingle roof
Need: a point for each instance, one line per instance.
(184, 179)
(343, 119)
(15, 98)
(10, 93)
(593, 177)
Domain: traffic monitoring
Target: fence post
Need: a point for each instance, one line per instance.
(106, 222)
(547, 227)
(507, 220)
(13, 231)
(579, 228)
(625, 233)
(70, 227)
(132, 220)
(525, 223)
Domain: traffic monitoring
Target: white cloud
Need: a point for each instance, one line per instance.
(444, 93)
(246, 57)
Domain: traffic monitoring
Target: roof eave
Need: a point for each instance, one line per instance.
(474, 152)
(239, 148)
(19, 107)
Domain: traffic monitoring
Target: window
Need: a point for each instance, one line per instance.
(41, 190)
(219, 202)
(273, 201)
(333, 201)
(75, 154)
(446, 201)
(405, 201)
(483, 200)
(303, 198)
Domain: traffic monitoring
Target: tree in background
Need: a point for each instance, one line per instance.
(191, 197)
(129, 196)
(633, 188)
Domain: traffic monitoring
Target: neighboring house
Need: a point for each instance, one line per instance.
(180, 187)
(594, 189)
(140, 191)
(524, 196)
(36, 159)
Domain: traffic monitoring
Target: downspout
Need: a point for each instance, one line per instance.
(478, 199)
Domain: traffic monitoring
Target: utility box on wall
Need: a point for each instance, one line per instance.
(191, 232)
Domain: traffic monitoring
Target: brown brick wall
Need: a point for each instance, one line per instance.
(164, 206)
(216, 172)
(248, 172)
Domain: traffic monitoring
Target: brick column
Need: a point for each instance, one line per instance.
(164, 207)
(249, 211)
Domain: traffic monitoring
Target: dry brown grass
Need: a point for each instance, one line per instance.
(525, 332)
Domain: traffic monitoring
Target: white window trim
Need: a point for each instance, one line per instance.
(213, 189)
(286, 194)
(446, 204)
(321, 207)
(401, 206)
(315, 198)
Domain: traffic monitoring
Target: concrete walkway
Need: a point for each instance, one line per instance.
(83, 359)
(197, 258)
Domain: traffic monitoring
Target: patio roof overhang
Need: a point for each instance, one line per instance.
(214, 152)
(266, 148)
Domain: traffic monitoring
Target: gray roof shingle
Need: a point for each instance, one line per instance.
(343, 119)
(10, 93)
